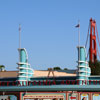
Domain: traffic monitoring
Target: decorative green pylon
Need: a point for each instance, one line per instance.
(25, 71)
(83, 67)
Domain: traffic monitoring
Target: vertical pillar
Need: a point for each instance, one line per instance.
(93, 51)
(90, 96)
(82, 67)
(66, 95)
(78, 95)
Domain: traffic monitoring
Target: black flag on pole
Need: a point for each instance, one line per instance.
(78, 25)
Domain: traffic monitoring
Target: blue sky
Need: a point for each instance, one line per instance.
(48, 30)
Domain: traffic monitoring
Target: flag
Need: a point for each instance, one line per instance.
(78, 25)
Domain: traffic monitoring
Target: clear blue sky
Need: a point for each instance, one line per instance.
(48, 30)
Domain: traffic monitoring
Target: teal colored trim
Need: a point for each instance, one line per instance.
(52, 88)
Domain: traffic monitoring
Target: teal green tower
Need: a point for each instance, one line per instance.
(83, 67)
(25, 71)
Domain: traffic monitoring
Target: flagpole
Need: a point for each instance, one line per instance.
(78, 26)
(19, 36)
(19, 40)
(79, 38)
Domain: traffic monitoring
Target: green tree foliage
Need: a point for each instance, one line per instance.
(95, 68)
(65, 68)
(57, 68)
(2, 67)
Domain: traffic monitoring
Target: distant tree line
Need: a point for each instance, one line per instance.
(95, 68)
(58, 68)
